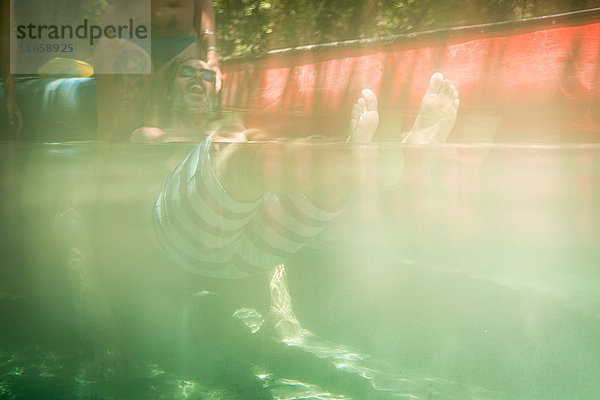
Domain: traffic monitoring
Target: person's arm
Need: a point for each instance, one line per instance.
(205, 25)
(12, 107)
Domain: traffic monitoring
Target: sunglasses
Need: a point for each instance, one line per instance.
(187, 71)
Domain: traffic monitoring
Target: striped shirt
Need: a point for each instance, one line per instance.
(209, 233)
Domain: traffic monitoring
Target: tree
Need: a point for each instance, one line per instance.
(252, 27)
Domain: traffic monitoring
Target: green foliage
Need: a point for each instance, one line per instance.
(252, 27)
(73, 11)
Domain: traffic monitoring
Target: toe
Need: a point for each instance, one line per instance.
(455, 103)
(362, 104)
(451, 91)
(355, 111)
(370, 99)
(435, 83)
(445, 89)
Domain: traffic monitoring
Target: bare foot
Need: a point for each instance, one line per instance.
(437, 114)
(364, 118)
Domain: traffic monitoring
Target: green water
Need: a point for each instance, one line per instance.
(479, 280)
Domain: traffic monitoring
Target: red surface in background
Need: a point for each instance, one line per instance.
(536, 84)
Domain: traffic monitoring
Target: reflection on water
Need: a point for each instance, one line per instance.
(478, 280)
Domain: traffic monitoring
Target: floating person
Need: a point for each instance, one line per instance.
(180, 29)
(234, 212)
(244, 186)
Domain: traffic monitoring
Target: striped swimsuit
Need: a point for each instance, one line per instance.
(209, 233)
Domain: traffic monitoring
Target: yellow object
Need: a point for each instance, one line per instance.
(66, 66)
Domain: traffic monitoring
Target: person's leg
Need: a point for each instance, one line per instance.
(247, 172)
(350, 167)
(327, 173)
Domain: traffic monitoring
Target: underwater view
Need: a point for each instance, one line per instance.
(299, 200)
(477, 281)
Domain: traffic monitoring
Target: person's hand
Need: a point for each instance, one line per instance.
(218, 77)
(15, 119)
(213, 62)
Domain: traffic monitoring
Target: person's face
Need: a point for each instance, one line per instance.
(194, 85)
